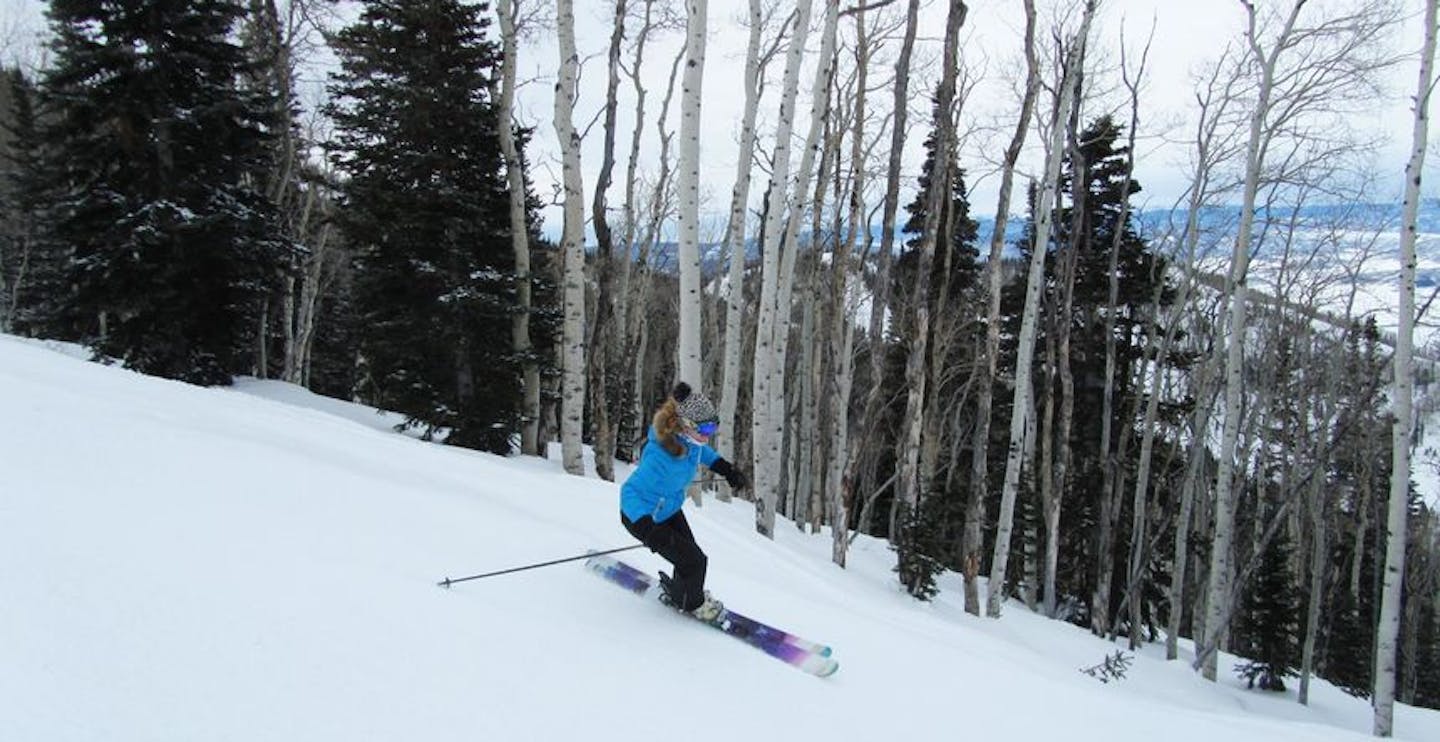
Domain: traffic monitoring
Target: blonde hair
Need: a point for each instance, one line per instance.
(667, 427)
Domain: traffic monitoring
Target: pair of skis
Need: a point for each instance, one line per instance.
(808, 656)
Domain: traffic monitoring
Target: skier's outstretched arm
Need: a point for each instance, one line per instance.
(733, 476)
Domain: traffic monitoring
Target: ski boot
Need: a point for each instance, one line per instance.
(708, 611)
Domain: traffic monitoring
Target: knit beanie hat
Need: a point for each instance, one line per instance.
(692, 405)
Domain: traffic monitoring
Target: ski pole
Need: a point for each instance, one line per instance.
(447, 582)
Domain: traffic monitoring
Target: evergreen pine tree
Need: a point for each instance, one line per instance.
(1427, 664)
(426, 211)
(1360, 474)
(957, 249)
(917, 545)
(1101, 170)
(1271, 613)
(149, 144)
(955, 268)
(927, 538)
(1349, 629)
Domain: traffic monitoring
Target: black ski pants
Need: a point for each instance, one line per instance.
(672, 540)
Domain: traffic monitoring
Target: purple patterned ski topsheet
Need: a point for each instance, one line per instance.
(640, 583)
(809, 656)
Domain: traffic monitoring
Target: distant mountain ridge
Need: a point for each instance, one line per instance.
(1155, 224)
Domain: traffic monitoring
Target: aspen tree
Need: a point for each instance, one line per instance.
(1139, 539)
(279, 42)
(735, 236)
(1402, 395)
(637, 337)
(631, 418)
(572, 246)
(602, 326)
(768, 421)
(1302, 71)
(1074, 58)
(509, 12)
(1220, 553)
(879, 303)
(907, 488)
(687, 186)
(1215, 98)
(972, 540)
(841, 339)
(820, 112)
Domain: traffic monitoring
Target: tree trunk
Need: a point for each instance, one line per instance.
(519, 232)
(1056, 478)
(687, 186)
(1318, 553)
(735, 243)
(973, 539)
(1194, 472)
(907, 487)
(1139, 539)
(1037, 578)
(879, 301)
(819, 108)
(1001, 556)
(841, 337)
(630, 425)
(860, 469)
(637, 321)
(1402, 394)
(767, 426)
(572, 245)
(1207, 156)
(1219, 588)
(606, 261)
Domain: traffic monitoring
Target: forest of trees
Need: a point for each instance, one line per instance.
(1109, 416)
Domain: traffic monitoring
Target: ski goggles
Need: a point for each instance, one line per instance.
(706, 428)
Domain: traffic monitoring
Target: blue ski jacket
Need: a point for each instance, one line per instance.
(657, 485)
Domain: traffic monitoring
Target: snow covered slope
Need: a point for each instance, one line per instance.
(259, 564)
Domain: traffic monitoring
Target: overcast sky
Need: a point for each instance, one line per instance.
(1186, 35)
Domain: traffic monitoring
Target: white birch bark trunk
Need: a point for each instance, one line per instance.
(803, 447)
(880, 296)
(1402, 395)
(1319, 550)
(1139, 526)
(841, 337)
(687, 185)
(660, 207)
(519, 233)
(1026, 352)
(735, 241)
(907, 487)
(972, 541)
(313, 286)
(1199, 194)
(819, 107)
(767, 421)
(1056, 470)
(602, 324)
(572, 246)
(1219, 588)
(631, 423)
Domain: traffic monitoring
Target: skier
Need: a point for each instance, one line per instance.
(651, 498)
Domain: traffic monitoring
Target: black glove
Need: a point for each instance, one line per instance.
(733, 476)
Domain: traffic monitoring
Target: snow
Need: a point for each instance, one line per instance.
(260, 563)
